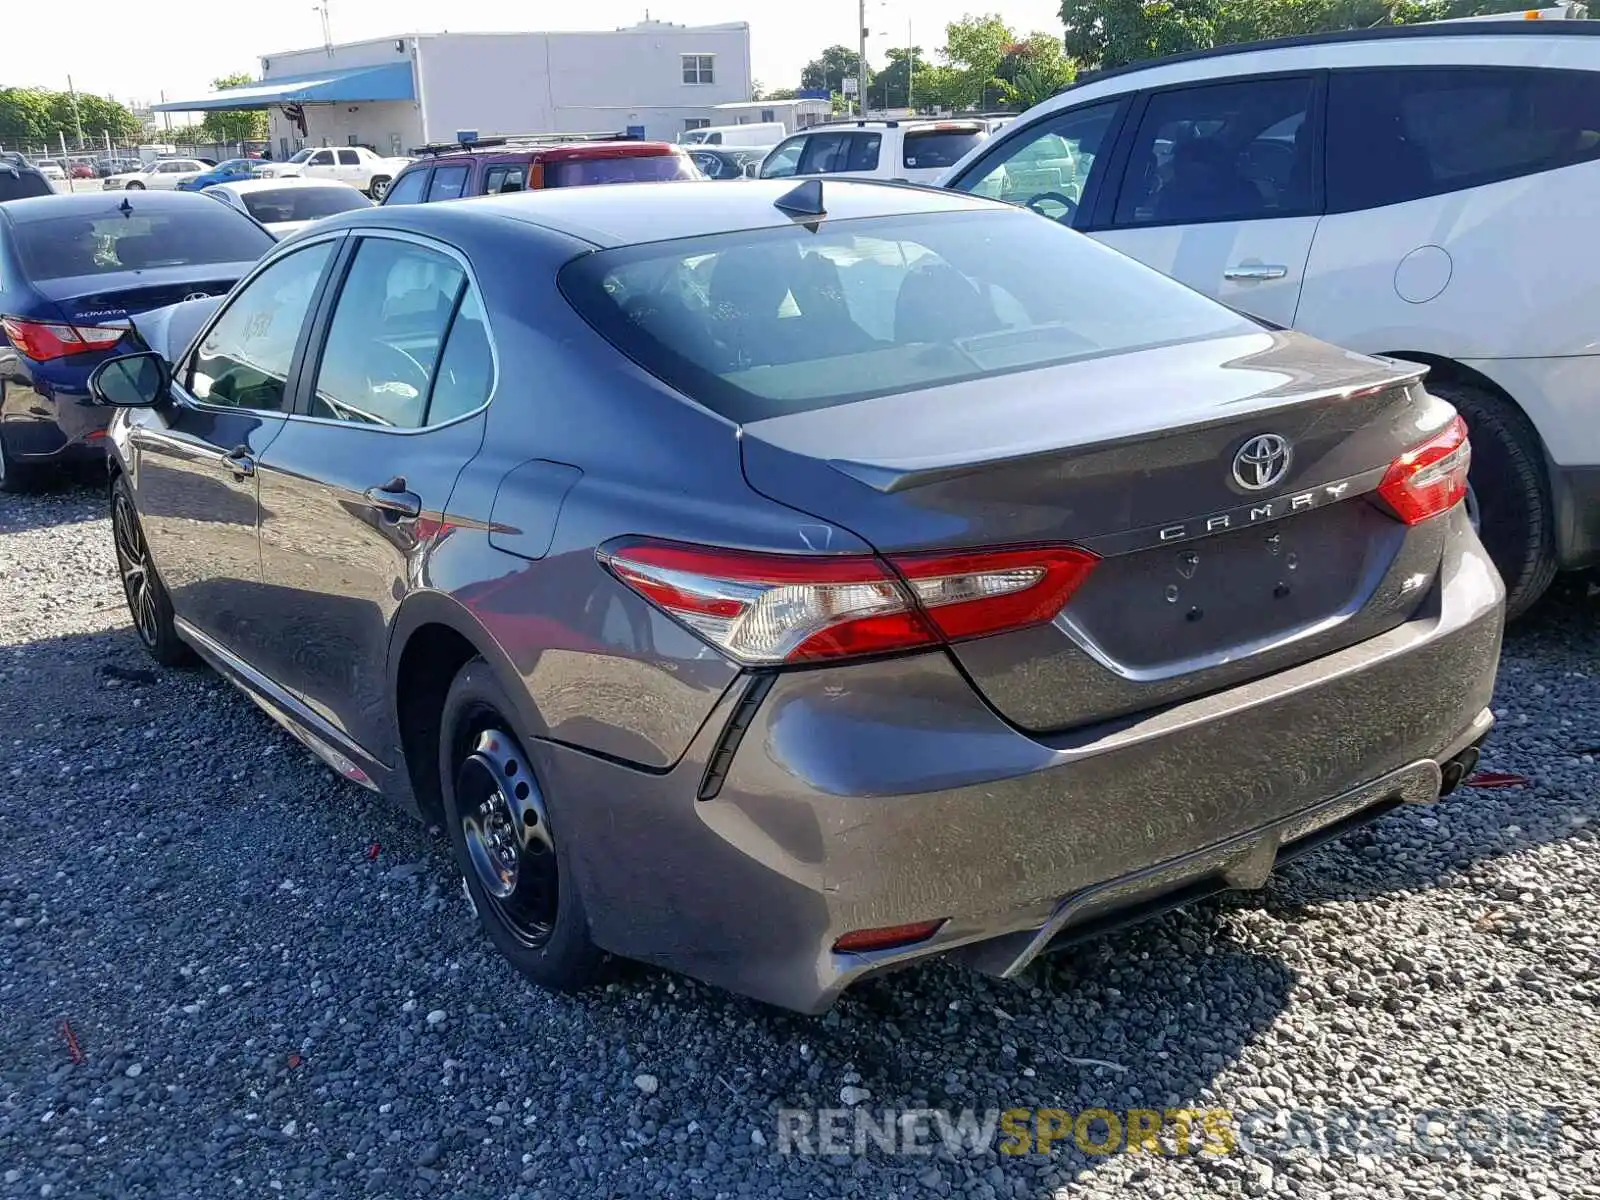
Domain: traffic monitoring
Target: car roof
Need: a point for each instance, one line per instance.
(246, 186)
(556, 151)
(98, 204)
(623, 214)
(1512, 26)
(915, 123)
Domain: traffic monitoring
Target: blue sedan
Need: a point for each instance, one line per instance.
(73, 270)
(231, 171)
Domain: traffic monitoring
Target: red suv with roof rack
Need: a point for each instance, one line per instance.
(488, 167)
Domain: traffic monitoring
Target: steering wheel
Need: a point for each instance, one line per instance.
(395, 377)
(1066, 202)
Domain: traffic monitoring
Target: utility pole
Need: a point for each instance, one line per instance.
(911, 65)
(861, 62)
(77, 120)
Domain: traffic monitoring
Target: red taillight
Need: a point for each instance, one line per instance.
(859, 941)
(44, 340)
(783, 608)
(1431, 478)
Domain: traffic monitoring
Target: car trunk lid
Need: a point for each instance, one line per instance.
(1162, 462)
(111, 298)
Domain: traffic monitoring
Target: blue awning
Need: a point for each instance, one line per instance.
(352, 85)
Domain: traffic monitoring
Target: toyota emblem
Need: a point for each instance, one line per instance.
(1262, 461)
(198, 296)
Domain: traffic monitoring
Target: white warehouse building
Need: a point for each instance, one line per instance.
(654, 80)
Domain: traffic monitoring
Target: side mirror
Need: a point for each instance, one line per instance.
(131, 380)
(752, 170)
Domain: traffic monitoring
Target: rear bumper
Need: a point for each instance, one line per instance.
(888, 792)
(42, 423)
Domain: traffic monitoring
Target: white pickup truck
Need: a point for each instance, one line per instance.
(355, 165)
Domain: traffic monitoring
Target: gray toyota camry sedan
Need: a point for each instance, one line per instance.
(782, 583)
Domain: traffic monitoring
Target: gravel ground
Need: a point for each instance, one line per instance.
(260, 1007)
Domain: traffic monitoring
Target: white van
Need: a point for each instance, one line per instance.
(761, 133)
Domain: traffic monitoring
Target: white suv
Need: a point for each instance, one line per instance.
(1427, 192)
(355, 165)
(908, 151)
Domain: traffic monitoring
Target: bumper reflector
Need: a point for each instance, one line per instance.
(859, 941)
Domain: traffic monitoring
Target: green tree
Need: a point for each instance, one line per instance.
(1109, 33)
(889, 88)
(828, 70)
(235, 125)
(1035, 70)
(780, 94)
(975, 47)
(938, 87)
(25, 115)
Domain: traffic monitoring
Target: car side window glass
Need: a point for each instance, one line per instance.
(466, 368)
(1425, 131)
(824, 154)
(862, 152)
(388, 326)
(447, 183)
(1047, 167)
(1225, 152)
(244, 359)
(408, 188)
(785, 160)
(322, 158)
(349, 158)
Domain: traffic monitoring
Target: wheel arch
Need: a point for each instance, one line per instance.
(431, 638)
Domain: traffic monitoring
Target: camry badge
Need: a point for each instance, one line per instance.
(1262, 461)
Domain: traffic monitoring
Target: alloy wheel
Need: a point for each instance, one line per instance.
(133, 560)
(507, 834)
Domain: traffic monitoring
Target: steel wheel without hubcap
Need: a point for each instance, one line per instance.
(507, 835)
(134, 562)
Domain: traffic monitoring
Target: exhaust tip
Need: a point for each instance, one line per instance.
(1454, 770)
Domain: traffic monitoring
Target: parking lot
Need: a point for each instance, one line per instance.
(223, 971)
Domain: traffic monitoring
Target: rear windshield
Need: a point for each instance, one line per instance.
(769, 322)
(940, 147)
(639, 168)
(302, 204)
(66, 246)
(16, 185)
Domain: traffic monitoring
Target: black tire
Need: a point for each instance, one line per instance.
(134, 187)
(18, 478)
(1515, 517)
(148, 604)
(539, 925)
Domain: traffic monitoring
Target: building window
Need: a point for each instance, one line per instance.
(768, 116)
(697, 68)
(697, 123)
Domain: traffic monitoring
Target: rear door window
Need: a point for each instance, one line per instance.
(824, 153)
(863, 151)
(448, 183)
(1225, 152)
(408, 189)
(1401, 134)
(506, 177)
(349, 158)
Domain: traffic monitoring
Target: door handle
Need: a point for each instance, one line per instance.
(393, 499)
(1256, 271)
(240, 462)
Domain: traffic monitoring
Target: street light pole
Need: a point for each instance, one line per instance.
(861, 60)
